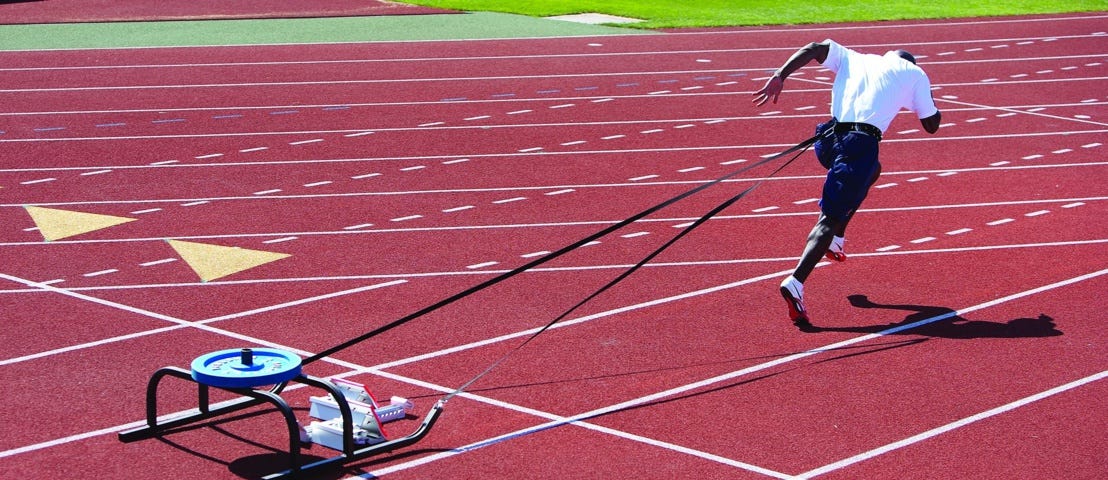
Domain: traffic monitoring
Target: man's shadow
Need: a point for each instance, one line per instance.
(943, 322)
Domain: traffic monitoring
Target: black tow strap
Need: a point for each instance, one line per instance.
(798, 148)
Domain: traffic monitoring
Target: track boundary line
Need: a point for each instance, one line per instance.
(578, 419)
(952, 426)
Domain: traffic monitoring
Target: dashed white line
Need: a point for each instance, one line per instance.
(318, 184)
(806, 200)
(529, 150)
(959, 231)
(210, 155)
(158, 262)
(479, 117)
(404, 219)
(886, 185)
(97, 172)
(509, 200)
(367, 175)
(101, 272)
(1074, 204)
(560, 192)
(999, 222)
(481, 265)
(413, 168)
(41, 180)
(764, 209)
(612, 137)
(431, 124)
(655, 130)
(255, 149)
(280, 240)
(518, 112)
(1036, 213)
(358, 227)
(644, 177)
(575, 142)
(267, 192)
(305, 142)
(148, 210)
(690, 169)
(358, 134)
(452, 162)
(193, 204)
(888, 248)
(922, 240)
(535, 254)
(634, 235)
(458, 209)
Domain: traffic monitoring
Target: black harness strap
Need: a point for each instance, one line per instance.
(799, 148)
(704, 218)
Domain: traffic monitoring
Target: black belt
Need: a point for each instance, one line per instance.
(843, 127)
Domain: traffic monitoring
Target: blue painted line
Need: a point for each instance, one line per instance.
(117, 124)
(221, 117)
(547, 91)
(736, 75)
(627, 84)
(709, 77)
(503, 95)
(284, 112)
(337, 107)
(169, 120)
(581, 89)
(455, 99)
(667, 81)
(49, 129)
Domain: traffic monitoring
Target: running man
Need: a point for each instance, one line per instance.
(868, 92)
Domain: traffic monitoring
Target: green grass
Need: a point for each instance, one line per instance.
(715, 13)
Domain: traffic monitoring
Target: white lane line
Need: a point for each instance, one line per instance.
(481, 265)
(579, 419)
(560, 192)
(952, 426)
(101, 272)
(999, 222)
(509, 200)
(148, 210)
(404, 219)
(959, 231)
(458, 209)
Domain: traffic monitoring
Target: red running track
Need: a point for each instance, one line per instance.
(959, 340)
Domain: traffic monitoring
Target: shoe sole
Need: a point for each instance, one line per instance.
(836, 256)
(796, 310)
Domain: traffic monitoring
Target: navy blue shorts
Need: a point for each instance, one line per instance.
(851, 162)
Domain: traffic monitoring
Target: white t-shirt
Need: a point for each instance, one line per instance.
(873, 88)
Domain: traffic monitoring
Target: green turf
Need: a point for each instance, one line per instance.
(709, 13)
(278, 31)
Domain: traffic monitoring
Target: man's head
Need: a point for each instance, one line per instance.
(905, 55)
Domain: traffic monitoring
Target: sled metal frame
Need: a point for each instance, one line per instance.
(255, 396)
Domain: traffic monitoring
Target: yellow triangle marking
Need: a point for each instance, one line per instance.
(217, 261)
(56, 224)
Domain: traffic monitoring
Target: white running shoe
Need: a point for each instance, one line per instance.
(835, 250)
(793, 292)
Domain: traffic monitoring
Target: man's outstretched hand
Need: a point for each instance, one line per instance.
(772, 89)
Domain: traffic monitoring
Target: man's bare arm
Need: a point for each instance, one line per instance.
(772, 89)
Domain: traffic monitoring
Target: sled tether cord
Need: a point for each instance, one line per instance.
(799, 148)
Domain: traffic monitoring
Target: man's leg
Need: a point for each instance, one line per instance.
(792, 288)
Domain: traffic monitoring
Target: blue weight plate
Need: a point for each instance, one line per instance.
(233, 369)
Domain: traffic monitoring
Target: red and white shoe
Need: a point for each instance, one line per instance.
(793, 292)
(835, 250)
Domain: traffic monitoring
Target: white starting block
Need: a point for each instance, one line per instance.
(367, 415)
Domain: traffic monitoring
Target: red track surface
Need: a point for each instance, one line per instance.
(483, 153)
